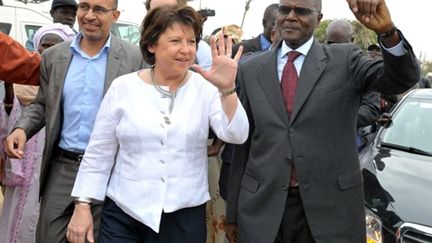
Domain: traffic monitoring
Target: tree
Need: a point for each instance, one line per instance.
(362, 35)
(320, 31)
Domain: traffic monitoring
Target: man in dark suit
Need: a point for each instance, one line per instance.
(262, 41)
(297, 178)
(74, 77)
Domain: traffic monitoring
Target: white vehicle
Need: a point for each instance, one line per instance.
(21, 21)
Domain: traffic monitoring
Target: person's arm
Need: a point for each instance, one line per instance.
(232, 126)
(33, 117)
(17, 65)
(369, 110)
(214, 148)
(240, 156)
(375, 16)
(9, 97)
(399, 70)
(95, 168)
(223, 73)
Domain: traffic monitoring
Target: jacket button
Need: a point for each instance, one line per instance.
(285, 188)
(291, 130)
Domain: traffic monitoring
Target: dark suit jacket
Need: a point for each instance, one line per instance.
(319, 138)
(46, 110)
(369, 109)
(251, 45)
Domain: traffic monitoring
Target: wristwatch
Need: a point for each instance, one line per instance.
(83, 201)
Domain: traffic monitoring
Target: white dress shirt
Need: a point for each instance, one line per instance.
(161, 164)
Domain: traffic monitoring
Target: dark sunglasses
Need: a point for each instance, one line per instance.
(299, 11)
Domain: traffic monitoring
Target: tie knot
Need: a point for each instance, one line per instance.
(292, 55)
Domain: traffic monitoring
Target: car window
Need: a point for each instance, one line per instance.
(126, 32)
(5, 28)
(30, 31)
(412, 125)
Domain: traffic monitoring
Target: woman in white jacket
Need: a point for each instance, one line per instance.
(147, 156)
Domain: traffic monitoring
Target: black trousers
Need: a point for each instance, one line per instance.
(294, 227)
(186, 225)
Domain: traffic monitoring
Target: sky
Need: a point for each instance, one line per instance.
(411, 17)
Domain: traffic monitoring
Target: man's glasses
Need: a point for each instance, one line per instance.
(98, 10)
(299, 11)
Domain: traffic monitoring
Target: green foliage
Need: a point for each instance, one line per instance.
(426, 67)
(362, 35)
(320, 31)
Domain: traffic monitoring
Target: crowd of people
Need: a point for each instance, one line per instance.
(105, 141)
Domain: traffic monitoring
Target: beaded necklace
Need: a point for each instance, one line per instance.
(170, 94)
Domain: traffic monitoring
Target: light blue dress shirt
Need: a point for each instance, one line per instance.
(82, 94)
(265, 44)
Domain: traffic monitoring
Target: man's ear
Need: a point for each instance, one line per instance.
(116, 15)
(52, 13)
(319, 17)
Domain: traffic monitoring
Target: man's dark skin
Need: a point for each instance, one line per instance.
(65, 14)
(268, 21)
(373, 14)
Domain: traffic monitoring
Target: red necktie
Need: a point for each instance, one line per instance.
(289, 85)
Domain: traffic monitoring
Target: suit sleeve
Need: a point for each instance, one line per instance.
(392, 75)
(33, 117)
(240, 158)
(17, 65)
(369, 110)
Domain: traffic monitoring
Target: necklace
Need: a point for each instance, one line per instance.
(170, 94)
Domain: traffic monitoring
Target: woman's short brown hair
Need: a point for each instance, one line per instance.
(161, 18)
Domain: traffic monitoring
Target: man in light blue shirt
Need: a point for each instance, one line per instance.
(74, 78)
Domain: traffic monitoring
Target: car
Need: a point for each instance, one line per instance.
(397, 174)
(21, 21)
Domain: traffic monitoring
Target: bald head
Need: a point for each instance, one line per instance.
(340, 31)
(151, 4)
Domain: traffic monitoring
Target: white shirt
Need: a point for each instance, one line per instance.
(160, 167)
(203, 55)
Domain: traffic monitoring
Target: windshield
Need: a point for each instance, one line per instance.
(412, 126)
(127, 32)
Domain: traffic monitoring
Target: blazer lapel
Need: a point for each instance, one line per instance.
(60, 73)
(313, 66)
(114, 58)
(269, 81)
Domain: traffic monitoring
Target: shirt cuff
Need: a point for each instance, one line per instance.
(397, 50)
